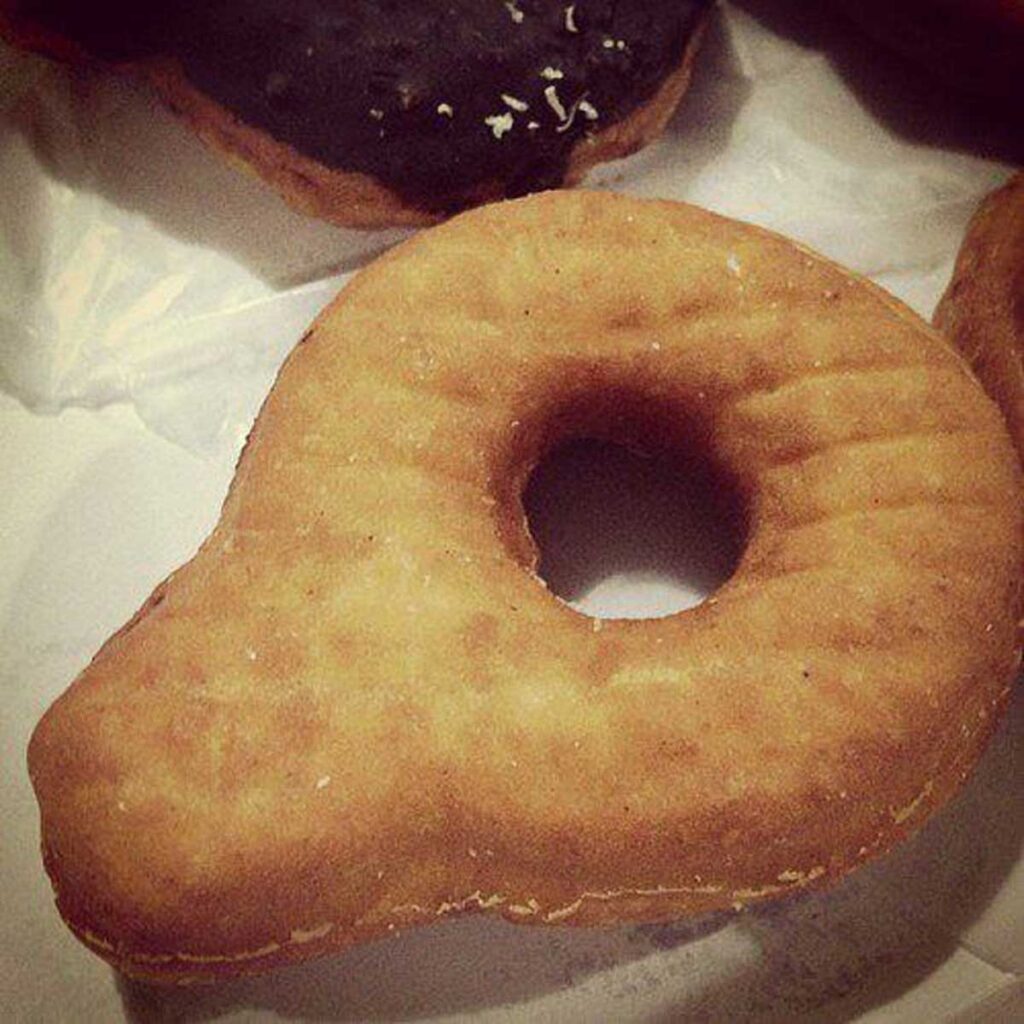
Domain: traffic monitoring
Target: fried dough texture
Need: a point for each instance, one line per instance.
(357, 709)
(982, 311)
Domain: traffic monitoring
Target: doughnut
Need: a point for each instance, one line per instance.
(975, 45)
(357, 708)
(375, 113)
(982, 310)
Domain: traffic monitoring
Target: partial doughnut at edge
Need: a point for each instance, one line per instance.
(982, 310)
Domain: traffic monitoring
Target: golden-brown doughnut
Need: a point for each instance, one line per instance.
(372, 113)
(982, 311)
(357, 709)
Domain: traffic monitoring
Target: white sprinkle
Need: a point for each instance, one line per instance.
(609, 44)
(551, 74)
(532, 126)
(377, 115)
(323, 781)
(309, 51)
(588, 110)
(513, 12)
(473, 853)
(250, 654)
(570, 21)
(121, 805)
(514, 102)
(551, 95)
(567, 122)
(596, 625)
(499, 124)
(733, 263)
(445, 109)
(656, 346)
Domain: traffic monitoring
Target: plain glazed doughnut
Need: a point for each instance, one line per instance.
(372, 112)
(982, 311)
(357, 709)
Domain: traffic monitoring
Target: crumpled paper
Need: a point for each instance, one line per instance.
(139, 267)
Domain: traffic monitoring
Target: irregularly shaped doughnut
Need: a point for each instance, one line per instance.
(374, 112)
(357, 709)
(982, 311)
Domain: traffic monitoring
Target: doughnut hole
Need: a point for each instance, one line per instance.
(625, 535)
(622, 509)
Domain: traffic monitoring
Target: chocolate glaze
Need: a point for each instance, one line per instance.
(434, 98)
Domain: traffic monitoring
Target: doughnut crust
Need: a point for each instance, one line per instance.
(982, 311)
(357, 709)
(371, 113)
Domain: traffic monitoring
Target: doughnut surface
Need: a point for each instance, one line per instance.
(982, 311)
(373, 111)
(357, 709)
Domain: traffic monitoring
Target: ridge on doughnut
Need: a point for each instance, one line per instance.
(357, 709)
(370, 113)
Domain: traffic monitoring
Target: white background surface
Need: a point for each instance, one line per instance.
(147, 295)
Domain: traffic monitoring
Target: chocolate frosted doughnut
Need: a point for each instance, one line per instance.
(440, 104)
